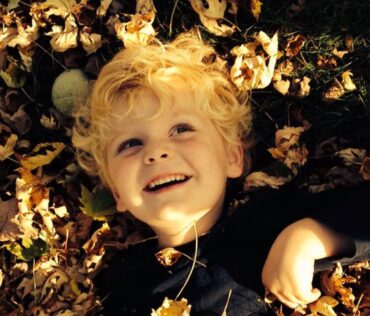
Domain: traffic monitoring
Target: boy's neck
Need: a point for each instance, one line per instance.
(180, 235)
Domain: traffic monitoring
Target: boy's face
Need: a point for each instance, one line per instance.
(171, 170)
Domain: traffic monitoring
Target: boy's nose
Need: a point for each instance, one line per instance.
(155, 157)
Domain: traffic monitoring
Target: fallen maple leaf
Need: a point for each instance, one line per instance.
(339, 88)
(347, 81)
(250, 70)
(339, 53)
(323, 306)
(145, 6)
(173, 308)
(294, 45)
(256, 8)
(102, 9)
(138, 31)
(333, 283)
(288, 150)
(210, 13)
(20, 121)
(6, 150)
(64, 38)
(91, 42)
(365, 169)
(168, 256)
(41, 155)
(261, 179)
(327, 63)
(9, 229)
(351, 156)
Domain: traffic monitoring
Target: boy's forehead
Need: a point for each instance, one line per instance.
(147, 106)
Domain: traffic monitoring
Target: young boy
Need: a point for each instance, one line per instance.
(165, 130)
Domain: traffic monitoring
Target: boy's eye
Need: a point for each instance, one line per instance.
(129, 144)
(182, 128)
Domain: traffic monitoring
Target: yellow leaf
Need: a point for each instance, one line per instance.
(324, 306)
(210, 13)
(7, 149)
(41, 155)
(64, 38)
(250, 70)
(168, 256)
(173, 308)
(335, 91)
(261, 179)
(138, 31)
(104, 5)
(90, 41)
(256, 8)
(215, 9)
(347, 81)
(339, 53)
(294, 45)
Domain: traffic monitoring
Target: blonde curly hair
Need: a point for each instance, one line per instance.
(135, 73)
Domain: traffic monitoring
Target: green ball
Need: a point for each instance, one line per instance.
(68, 88)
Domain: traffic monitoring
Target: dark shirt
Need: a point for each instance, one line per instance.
(234, 252)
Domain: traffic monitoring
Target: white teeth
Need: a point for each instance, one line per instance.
(154, 183)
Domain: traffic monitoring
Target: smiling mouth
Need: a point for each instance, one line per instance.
(166, 183)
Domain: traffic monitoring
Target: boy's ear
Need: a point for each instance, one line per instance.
(235, 161)
(119, 204)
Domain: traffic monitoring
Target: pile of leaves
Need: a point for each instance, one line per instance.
(307, 65)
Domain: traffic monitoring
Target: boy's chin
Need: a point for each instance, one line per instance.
(178, 217)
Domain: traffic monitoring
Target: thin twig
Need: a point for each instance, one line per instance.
(194, 261)
(172, 15)
(52, 57)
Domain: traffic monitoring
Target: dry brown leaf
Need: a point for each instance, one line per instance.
(250, 70)
(296, 7)
(27, 34)
(327, 63)
(64, 38)
(139, 31)
(288, 149)
(6, 150)
(365, 169)
(9, 229)
(211, 14)
(91, 42)
(323, 306)
(214, 9)
(300, 87)
(352, 156)
(168, 256)
(145, 6)
(335, 92)
(256, 8)
(260, 179)
(294, 45)
(41, 155)
(6, 35)
(333, 283)
(104, 5)
(347, 81)
(282, 86)
(339, 53)
(20, 121)
(287, 137)
(286, 68)
(25, 215)
(348, 41)
(173, 308)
